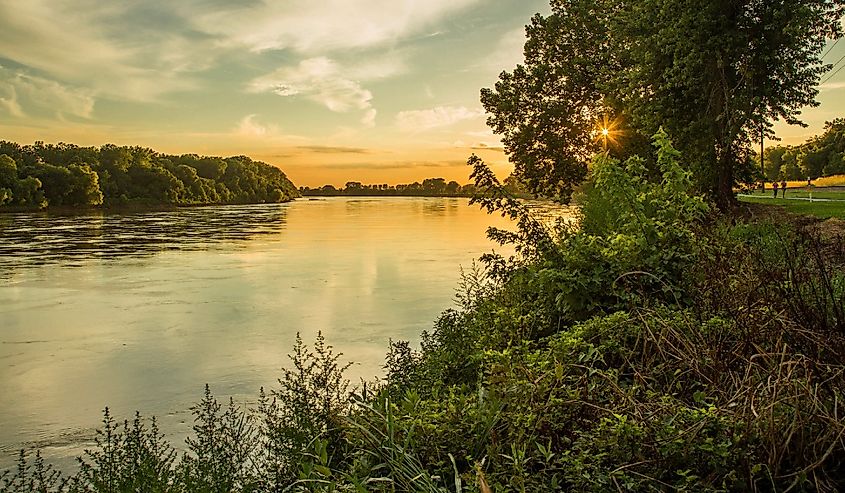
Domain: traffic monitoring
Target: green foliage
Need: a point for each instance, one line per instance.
(636, 241)
(715, 75)
(546, 109)
(219, 457)
(134, 458)
(66, 175)
(822, 155)
(31, 477)
(308, 405)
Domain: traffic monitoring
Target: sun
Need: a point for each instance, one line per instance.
(607, 131)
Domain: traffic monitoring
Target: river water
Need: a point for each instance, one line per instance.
(139, 311)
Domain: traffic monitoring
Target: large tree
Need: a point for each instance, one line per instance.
(546, 109)
(714, 74)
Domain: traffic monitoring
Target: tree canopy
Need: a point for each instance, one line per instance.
(714, 75)
(822, 155)
(39, 175)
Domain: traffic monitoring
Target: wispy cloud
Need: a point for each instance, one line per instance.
(102, 48)
(832, 86)
(323, 26)
(397, 165)
(507, 53)
(249, 127)
(441, 116)
(19, 90)
(9, 100)
(330, 84)
(335, 150)
(482, 146)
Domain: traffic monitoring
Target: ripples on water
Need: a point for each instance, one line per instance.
(40, 239)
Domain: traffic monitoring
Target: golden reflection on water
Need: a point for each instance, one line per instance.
(139, 311)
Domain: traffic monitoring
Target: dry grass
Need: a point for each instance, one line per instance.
(827, 181)
(830, 181)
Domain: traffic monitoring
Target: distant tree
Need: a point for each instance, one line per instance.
(113, 175)
(774, 161)
(211, 168)
(28, 192)
(8, 171)
(8, 178)
(434, 186)
(85, 186)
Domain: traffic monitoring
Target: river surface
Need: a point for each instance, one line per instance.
(139, 311)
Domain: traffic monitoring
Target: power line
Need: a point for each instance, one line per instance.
(831, 47)
(833, 67)
(831, 75)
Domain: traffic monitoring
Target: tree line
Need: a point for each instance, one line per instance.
(822, 155)
(430, 187)
(65, 175)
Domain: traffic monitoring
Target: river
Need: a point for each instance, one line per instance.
(139, 311)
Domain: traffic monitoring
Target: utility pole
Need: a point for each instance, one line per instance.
(762, 167)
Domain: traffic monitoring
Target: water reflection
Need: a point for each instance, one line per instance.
(157, 304)
(40, 239)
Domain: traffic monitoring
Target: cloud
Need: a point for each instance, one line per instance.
(19, 89)
(369, 118)
(328, 83)
(249, 127)
(9, 100)
(507, 53)
(335, 150)
(483, 146)
(396, 165)
(323, 26)
(144, 50)
(441, 116)
(832, 86)
(109, 49)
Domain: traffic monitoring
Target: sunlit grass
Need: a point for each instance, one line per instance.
(803, 193)
(820, 209)
(827, 181)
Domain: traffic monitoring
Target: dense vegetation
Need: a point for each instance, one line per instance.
(42, 175)
(713, 74)
(430, 187)
(651, 347)
(656, 345)
(823, 155)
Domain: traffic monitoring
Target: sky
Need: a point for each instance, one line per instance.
(378, 91)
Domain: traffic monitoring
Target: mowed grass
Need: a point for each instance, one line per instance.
(820, 209)
(803, 193)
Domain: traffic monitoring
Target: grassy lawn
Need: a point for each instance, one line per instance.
(820, 209)
(804, 193)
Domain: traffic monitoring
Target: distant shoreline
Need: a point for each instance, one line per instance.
(456, 196)
(123, 208)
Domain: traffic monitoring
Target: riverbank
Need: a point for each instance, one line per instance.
(123, 209)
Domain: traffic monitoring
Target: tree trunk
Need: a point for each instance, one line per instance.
(724, 192)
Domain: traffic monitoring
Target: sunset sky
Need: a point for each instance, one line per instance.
(329, 90)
